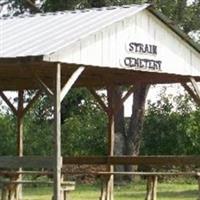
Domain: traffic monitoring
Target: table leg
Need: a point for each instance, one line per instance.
(149, 188)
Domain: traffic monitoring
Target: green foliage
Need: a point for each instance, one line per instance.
(84, 130)
(172, 127)
(38, 136)
(7, 135)
(52, 5)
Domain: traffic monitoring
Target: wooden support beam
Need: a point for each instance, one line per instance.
(71, 82)
(20, 123)
(44, 86)
(31, 102)
(57, 134)
(99, 100)
(195, 85)
(20, 133)
(191, 93)
(7, 101)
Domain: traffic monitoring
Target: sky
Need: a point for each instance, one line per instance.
(153, 95)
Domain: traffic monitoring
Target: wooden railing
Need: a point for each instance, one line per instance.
(134, 160)
(15, 162)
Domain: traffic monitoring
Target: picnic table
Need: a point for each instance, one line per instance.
(10, 183)
(152, 181)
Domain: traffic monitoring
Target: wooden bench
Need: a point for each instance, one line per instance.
(152, 181)
(9, 186)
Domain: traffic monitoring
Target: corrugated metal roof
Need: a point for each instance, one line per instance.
(43, 34)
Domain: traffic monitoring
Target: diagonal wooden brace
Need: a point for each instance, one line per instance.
(44, 86)
(71, 82)
(121, 101)
(31, 102)
(7, 101)
(99, 100)
(195, 94)
(195, 86)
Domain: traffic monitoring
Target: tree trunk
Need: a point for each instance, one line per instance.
(128, 142)
(119, 146)
(134, 133)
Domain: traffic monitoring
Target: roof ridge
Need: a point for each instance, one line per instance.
(84, 10)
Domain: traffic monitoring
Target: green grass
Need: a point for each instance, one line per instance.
(166, 191)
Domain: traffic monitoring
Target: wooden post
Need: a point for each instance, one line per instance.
(57, 134)
(20, 124)
(104, 182)
(151, 193)
(111, 132)
(149, 188)
(198, 179)
(20, 147)
(154, 190)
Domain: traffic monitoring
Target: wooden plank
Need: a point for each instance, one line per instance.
(15, 162)
(57, 134)
(26, 182)
(7, 101)
(99, 100)
(134, 160)
(140, 173)
(71, 82)
(191, 93)
(31, 102)
(13, 173)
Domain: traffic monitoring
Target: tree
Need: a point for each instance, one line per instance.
(171, 127)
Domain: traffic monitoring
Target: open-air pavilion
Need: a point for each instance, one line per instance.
(92, 48)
